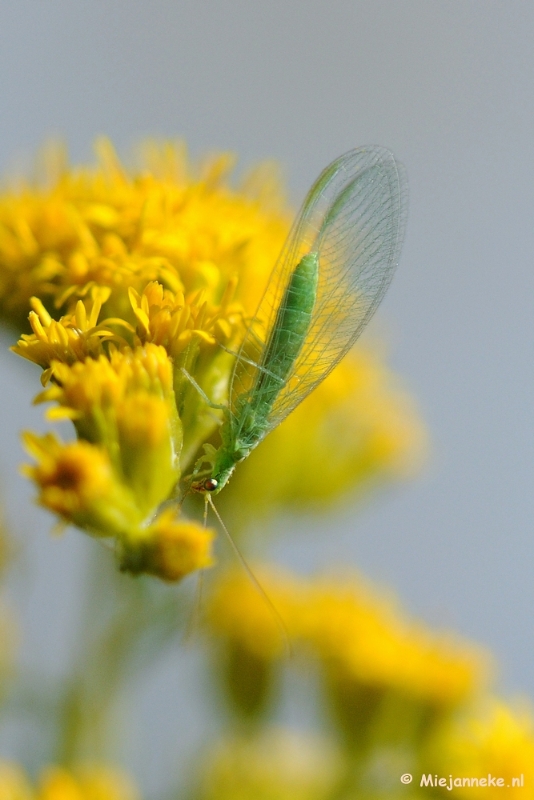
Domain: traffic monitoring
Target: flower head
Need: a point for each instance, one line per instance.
(170, 548)
(77, 482)
(109, 226)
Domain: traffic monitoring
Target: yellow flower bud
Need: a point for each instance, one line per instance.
(76, 481)
(170, 548)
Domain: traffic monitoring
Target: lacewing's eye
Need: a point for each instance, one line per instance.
(210, 484)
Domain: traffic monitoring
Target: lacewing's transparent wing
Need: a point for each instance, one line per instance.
(353, 218)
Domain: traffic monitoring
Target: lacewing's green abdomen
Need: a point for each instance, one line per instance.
(248, 425)
(285, 343)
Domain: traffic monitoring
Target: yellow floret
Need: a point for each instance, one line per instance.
(72, 338)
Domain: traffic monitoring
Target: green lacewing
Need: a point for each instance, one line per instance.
(331, 275)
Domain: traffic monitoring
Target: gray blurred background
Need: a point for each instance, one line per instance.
(448, 86)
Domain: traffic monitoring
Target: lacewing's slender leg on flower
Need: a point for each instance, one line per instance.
(331, 275)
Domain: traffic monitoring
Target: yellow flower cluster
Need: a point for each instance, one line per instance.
(56, 783)
(497, 741)
(403, 698)
(365, 645)
(153, 271)
(107, 226)
(277, 764)
(141, 284)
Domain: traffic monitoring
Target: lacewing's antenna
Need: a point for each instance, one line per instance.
(193, 622)
(257, 585)
(105, 544)
(205, 518)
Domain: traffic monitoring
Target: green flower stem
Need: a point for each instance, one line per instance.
(113, 649)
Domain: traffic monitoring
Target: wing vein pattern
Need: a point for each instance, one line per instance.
(353, 220)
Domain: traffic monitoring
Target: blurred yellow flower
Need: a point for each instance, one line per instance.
(364, 638)
(275, 765)
(499, 741)
(94, 783)
(249, 633)
(55, 783)
(13, 783)
(238, 613)
(378, 666)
